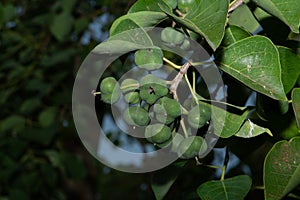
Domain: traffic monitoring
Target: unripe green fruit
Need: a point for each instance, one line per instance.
(185, 45)
(191, 147)
(199, 115)
(166, 110)
(161, 114)
(152, 88)
(150, 59)
(132, 97)
(158, 133)
(136, 116)
(107, 85)
(171, 36)
(171, 106)
(129, 85)
(177, 139)
(110, 98)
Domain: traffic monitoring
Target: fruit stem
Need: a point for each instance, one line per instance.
(191, 89)
(95, 93)
(171, 63)
(226, 159)
(184, 128)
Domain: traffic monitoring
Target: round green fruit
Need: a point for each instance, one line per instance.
(111, 98)
(161, 114)
(199, 115)
(152, 88)
(185, 45)
(158, 133)
(172, 36)
(136, 116)
(129, 84)
(132, 97)
(171, 106)
(108, 85)
(149, 59)
(191, 147)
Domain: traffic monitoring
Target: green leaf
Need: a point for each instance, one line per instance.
(163, 179)
(296, 104)
(235, 188)
(47, 116)
(13, 122)
(128, 30)
(285, 10)
(61, 25)
(146, 5)
(226, 124)
(207, 18)
(233, 34)
(68, 5)
(29, 105)
(290, 68)
(249, 130)
(141, 19)
(282, 169)
(254, 61)
(243, 17)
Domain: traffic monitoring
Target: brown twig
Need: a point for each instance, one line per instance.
(175, 82)
(235, 5)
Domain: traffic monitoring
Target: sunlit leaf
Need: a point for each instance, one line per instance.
(249, 129)
(282, 169)
(235, 188)
(254, 61)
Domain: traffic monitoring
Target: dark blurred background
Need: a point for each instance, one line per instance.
(42, 44)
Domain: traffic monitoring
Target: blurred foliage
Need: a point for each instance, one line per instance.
(42, 44)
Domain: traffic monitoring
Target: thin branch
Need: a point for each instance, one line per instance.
(175, 82)
(234, 5)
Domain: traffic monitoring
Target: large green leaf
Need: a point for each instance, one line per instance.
(296, 104)
(249, 129)
(141, 19)
(255, 62)
(282, 169)
(233, 34)
(290, 68)
(207, 18)
(235, 188)
(162, 180)
(147, 5)
(243, 17)
(286, 10)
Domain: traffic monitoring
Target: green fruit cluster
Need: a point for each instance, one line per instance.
(152, 108)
